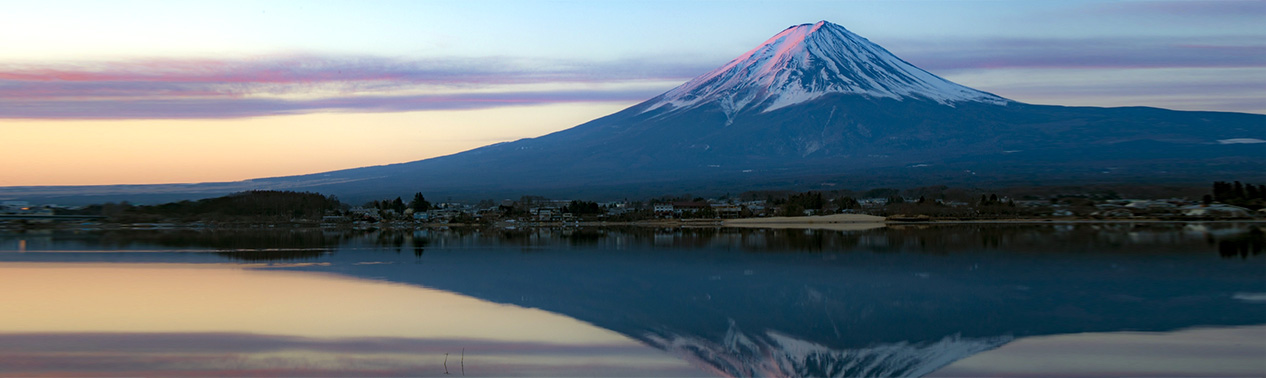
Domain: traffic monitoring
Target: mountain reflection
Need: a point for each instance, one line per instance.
(898, 301)
(1228, 240)
(936, 239)
(1243, 245)
(894, 301)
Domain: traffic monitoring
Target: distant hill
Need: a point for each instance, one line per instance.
(249, 206)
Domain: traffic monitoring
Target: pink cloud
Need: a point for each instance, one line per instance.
(1084, 53)
(231, 88)
(230, 107)
(317, 69)
(227, 88)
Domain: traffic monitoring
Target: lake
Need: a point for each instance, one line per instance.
(1154, 299)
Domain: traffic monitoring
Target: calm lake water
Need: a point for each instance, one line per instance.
(946, 300)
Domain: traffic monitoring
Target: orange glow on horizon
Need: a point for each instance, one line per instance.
(110, 152)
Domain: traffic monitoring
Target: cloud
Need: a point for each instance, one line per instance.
(284, 85)
(1212, 89)
(1227, 52)
(219, 107)
(1223, 73)
(323, 69)
(1219, 9)
(257, 343)
(305, 84)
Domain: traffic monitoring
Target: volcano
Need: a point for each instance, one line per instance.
(814, 106)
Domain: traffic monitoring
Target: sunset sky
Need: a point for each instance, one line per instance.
(136, 92)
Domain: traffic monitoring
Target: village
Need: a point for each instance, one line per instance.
(558, 212)
(1228, 202)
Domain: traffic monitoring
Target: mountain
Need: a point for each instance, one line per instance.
(815, 105)
(806, 62)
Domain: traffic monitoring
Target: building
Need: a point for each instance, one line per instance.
(1216, 210)
(725, 210)
(544, 214)
(683, 207)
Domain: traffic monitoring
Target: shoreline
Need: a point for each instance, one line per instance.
(837, 222)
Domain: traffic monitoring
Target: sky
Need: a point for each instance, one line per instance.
(146, 92)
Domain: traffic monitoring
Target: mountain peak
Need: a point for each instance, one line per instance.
(805, 62)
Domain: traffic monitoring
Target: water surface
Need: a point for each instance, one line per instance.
(894, 301)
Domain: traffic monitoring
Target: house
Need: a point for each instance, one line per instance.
(727, 210)
(1115, 213)
(361, 213)
(873, 202)
(662, 209)
(544, 214)
(1151, 205)
(1216, 210)
(1031, 203)
(441, 215)
(682, 207)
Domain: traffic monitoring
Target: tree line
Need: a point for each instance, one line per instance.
(1238, 194)
(254, 205)
(418, 204)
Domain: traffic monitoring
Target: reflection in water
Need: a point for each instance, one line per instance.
(1243, 245)
(244, 354)
(896, 301)
(182, 319)
(1227, 239)
(251, 245)
(774, 354)
(1201, 352)
(1245, 239)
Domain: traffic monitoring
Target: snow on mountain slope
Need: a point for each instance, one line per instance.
(807, 61)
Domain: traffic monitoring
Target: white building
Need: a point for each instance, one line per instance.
(1216, 210)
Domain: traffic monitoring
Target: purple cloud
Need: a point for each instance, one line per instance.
(325, 69)
(1232, 52)
(230, 89)
(183, 89)
(255, 343)
(229, 107)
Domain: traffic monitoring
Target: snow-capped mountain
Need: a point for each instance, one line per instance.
(805, 62)
(815, 106)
